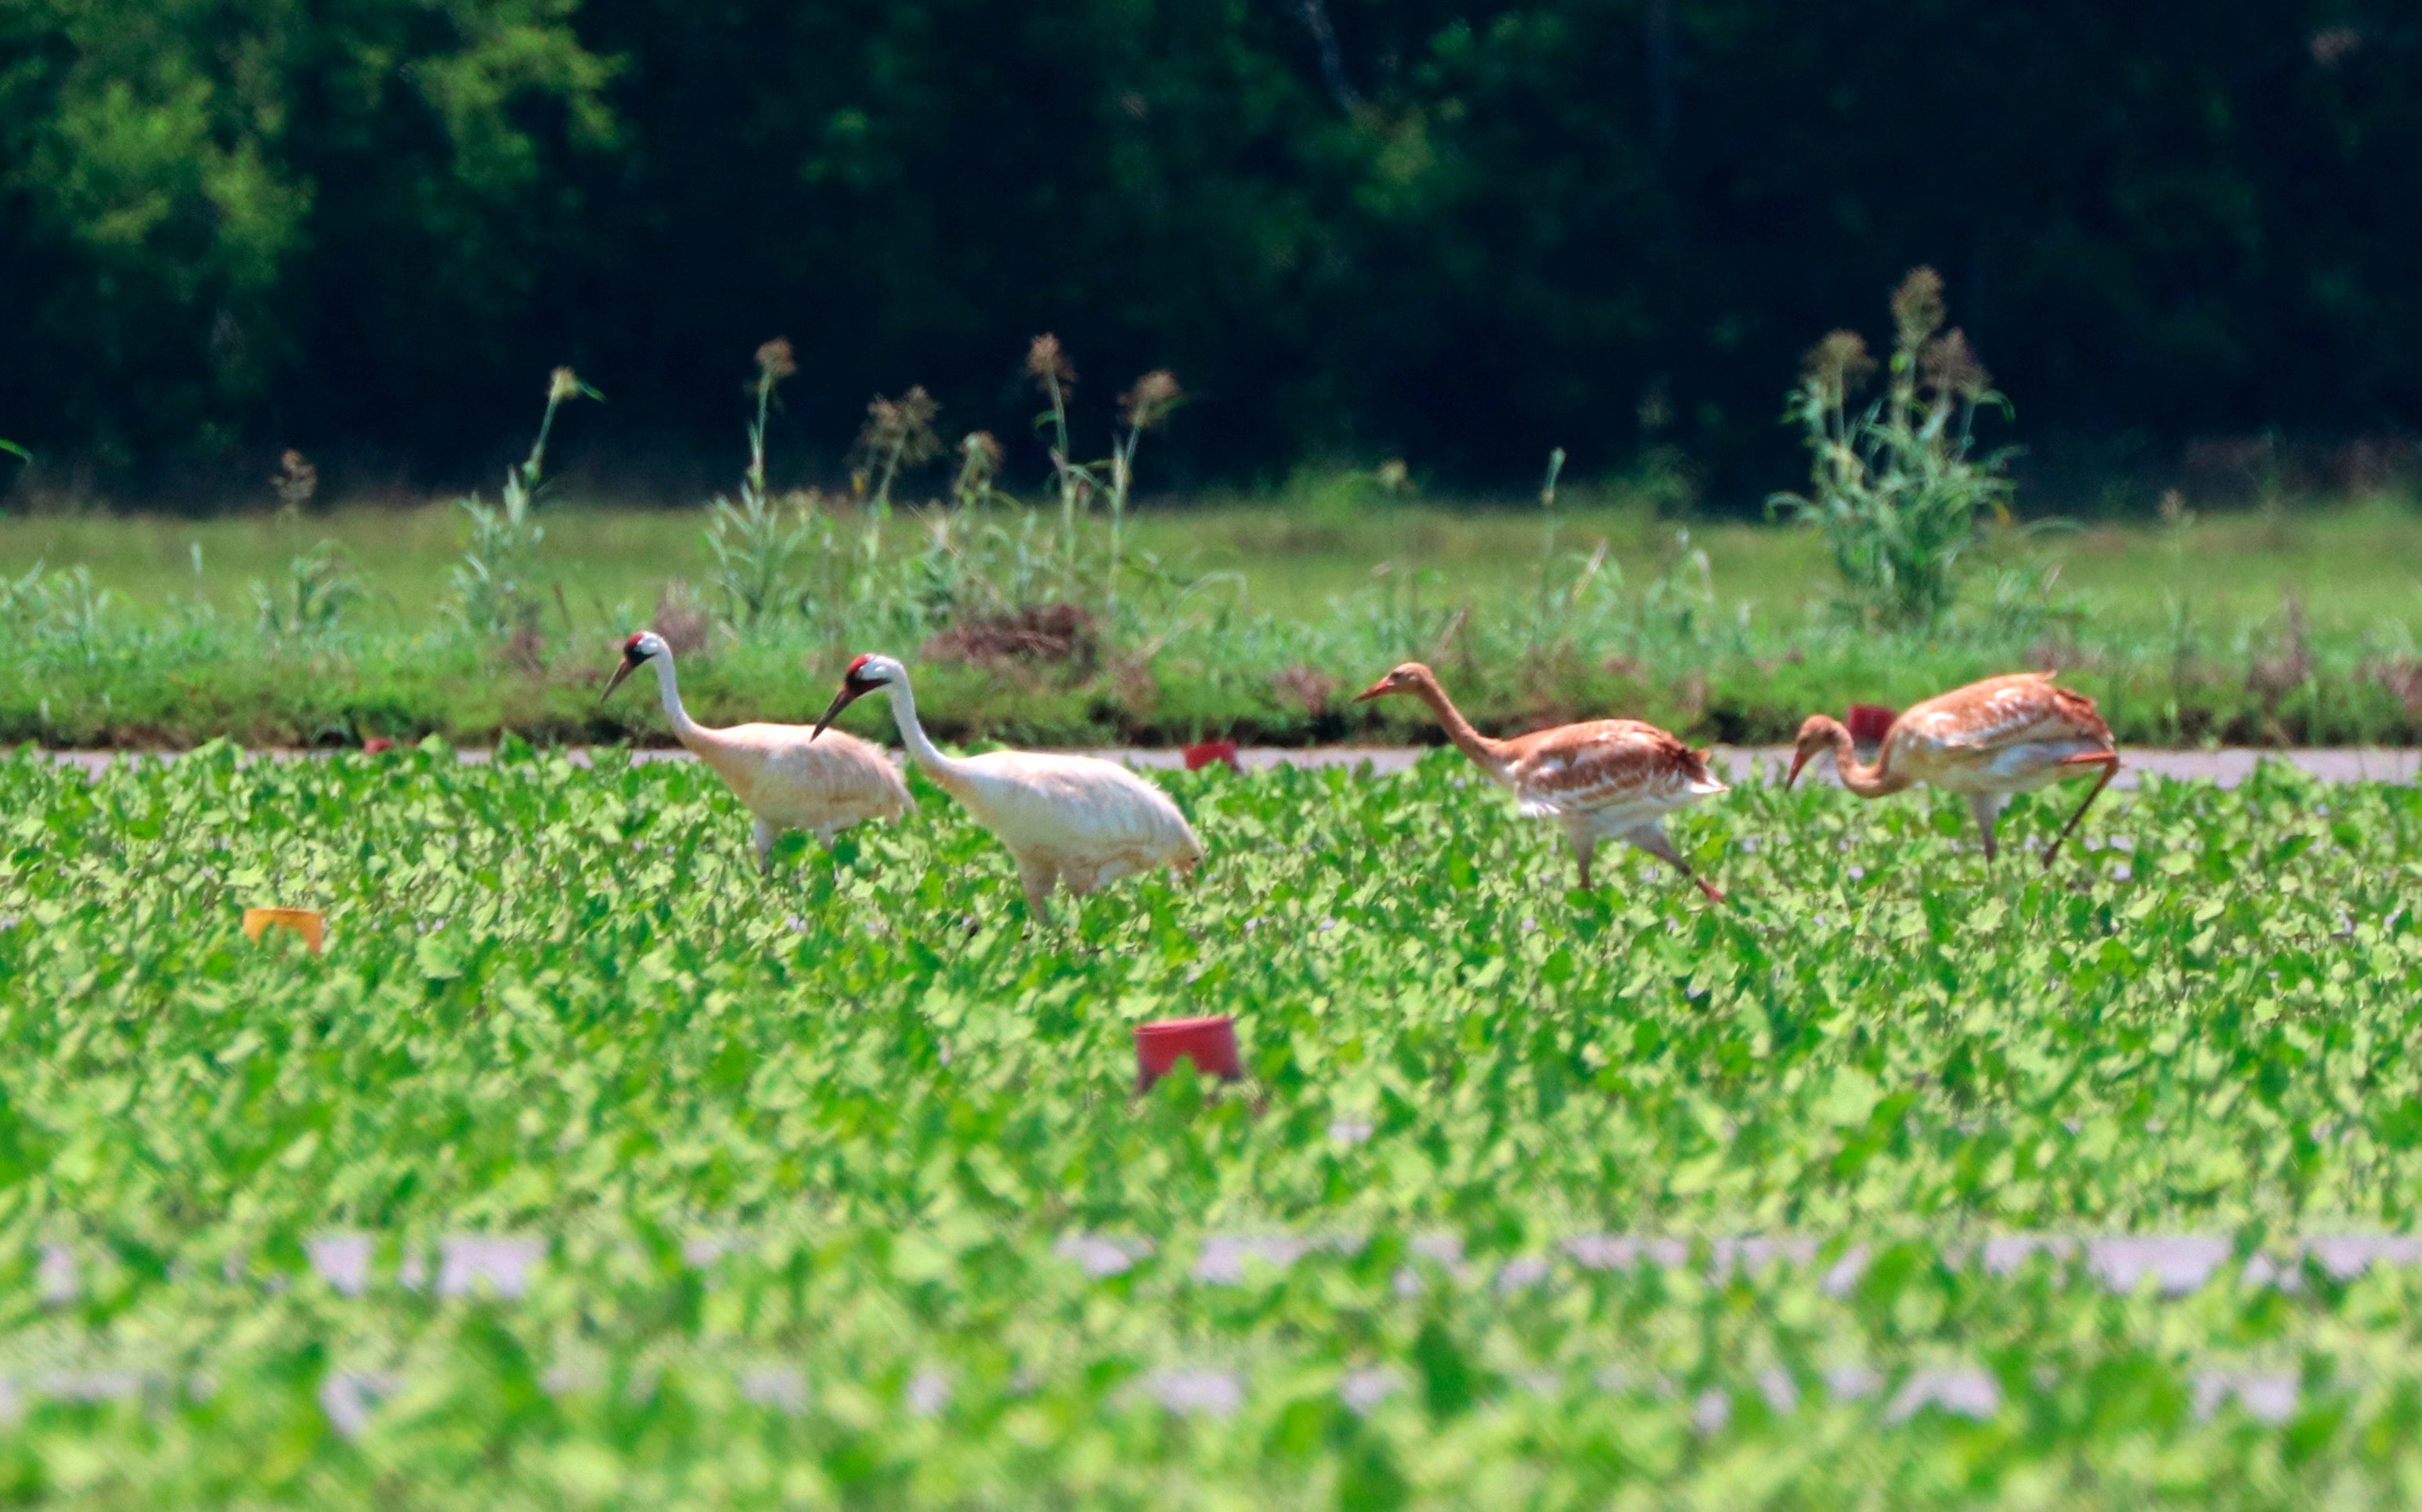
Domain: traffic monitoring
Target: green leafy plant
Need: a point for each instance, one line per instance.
(1601, 1191)
(757, 548)
(25, 599)
(313, 599)
(64, 610)
(1897, 487)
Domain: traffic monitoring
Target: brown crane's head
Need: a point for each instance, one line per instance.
(864, 676)
(638, 649)
(1411, 677)
(1818, 732)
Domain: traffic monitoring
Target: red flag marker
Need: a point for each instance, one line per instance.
(1868, 723)
(1199, 757)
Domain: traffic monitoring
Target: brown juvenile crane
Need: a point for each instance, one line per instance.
(1602, 780)
(1988, 741)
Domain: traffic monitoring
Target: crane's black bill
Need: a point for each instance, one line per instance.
(850, 693)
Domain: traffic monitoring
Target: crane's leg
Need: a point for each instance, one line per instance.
(1584, 846)
(1039, 878)
(2109, 762)
(763, 837)
(1651, 837)
(1987, 807)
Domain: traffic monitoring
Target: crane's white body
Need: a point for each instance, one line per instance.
(783, 774)
(1072, 821)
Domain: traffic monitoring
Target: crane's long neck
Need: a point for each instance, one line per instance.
(912, 732)
(685, 729)
(1867, 781)
(1488, 754)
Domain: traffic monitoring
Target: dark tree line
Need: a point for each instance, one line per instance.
(1455, 231)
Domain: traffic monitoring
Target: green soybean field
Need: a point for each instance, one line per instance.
(586, 1167)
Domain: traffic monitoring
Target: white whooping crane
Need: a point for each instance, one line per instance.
(785, 776)
(1075, 820)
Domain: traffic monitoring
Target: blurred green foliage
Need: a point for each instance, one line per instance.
(1460, 233)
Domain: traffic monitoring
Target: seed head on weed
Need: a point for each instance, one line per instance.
(296, 479)
(1049, 365)
(899, 433)
(1917, 309)
(980, 460)
(1152, 399)
(564, 384)
(1839, 363)
(1948, 367)
(775, 361)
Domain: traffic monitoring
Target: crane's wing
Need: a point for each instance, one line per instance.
(1071, 804)
(837, 777)
(1983, 718)
(1608, 764)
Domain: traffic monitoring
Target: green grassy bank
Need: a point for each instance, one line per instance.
(1253, 620)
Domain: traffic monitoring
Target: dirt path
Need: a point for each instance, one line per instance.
(2227, 767)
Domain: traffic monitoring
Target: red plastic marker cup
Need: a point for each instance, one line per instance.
(1868, 723)
(1209, 1043)
(1199, 757)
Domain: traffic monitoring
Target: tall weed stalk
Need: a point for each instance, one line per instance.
(495, 585)
(754, 547)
